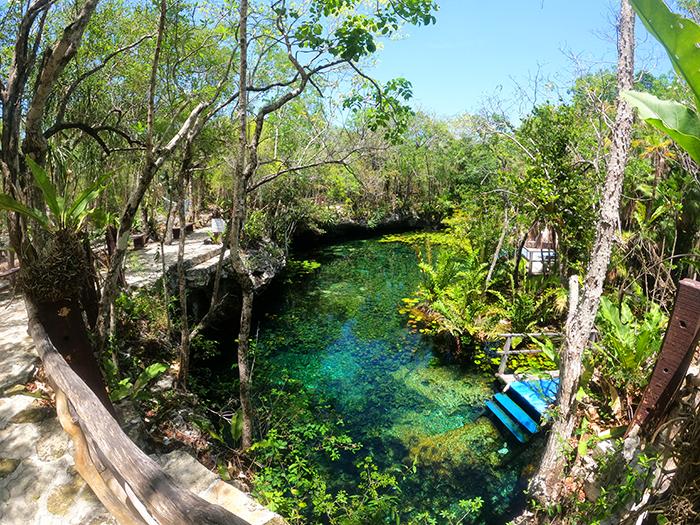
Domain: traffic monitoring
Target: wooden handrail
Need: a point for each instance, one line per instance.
(142, 484)
(509, 340)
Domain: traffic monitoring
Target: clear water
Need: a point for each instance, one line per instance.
(340, 332)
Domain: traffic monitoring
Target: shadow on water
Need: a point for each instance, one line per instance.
(341, 333)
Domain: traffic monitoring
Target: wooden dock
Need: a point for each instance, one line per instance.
(523, 404)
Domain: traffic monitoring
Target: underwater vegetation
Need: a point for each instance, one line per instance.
(342, 332)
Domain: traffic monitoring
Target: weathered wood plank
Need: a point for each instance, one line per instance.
(87, 468)
(165, 500)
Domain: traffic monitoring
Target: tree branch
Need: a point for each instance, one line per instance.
(53, 64)
(64, 103)
(82, 127)
(278, 173)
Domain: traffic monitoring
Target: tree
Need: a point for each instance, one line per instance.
(165, 136)
(544, 486)
(561, 177)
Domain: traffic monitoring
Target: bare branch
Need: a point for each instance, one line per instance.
(74, 85)
(82, 127)
(93, 131)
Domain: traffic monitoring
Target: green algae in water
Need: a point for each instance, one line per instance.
(341, 334)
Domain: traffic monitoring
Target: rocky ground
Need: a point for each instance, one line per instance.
(38, 480)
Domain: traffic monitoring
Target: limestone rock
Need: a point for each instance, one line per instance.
(8, 466)
(54, 442)
(18, 359)
(197, 478)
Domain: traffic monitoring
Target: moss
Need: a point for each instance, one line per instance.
(31, 415)
(464, 447)
(8, 466)
(17, 389)
(62, 497)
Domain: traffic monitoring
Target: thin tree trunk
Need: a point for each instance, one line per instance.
(518, 257)
(215, 303)
(112, 332)
(545, 484)
(155, 158)
(182, 282)
(164, 272)
(128, 215)
(244, 370)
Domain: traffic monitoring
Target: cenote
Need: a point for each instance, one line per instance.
(341, 331)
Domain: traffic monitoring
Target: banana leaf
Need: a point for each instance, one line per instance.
(680, 122)
(680, 36)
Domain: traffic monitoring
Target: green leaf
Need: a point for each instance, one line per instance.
(98, 218)
(237, 426)
(77, 212)
(44, 183)
(678, 35)
(122, 391)
(206, 425)
(548, 349)
(680, 122)
(145, 376)
(8, 203)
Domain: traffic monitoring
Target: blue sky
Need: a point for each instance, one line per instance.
(479, 47)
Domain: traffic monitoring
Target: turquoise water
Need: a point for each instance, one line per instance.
(340, 331)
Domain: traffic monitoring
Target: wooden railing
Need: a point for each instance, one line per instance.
(509, 342)
(129, 483)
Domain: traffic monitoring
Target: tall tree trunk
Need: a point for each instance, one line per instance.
(244, 369)
(496, 253)
(545, 484)
(155, 158)
(126, 221)
(244, 166)
(63, 319)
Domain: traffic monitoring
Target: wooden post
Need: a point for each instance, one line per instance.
(504, 359)
(674, 359)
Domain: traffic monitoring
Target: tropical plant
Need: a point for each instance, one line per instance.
(134, 389)
(629, 341)
(468, 512)
(452, 297)
(63, 215)
(628, 344)
(436, 277)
